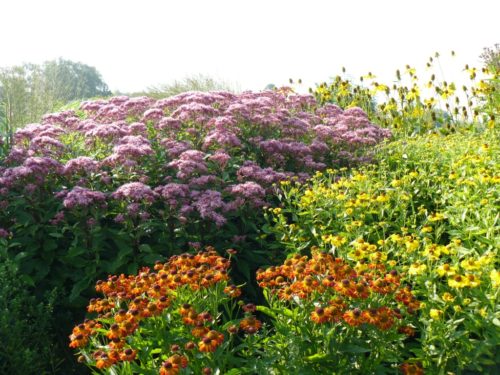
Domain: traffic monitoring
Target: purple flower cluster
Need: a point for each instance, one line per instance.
(135, 192)
(195, 155)
(82, 197)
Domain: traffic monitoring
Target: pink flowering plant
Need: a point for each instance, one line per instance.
(124, 182)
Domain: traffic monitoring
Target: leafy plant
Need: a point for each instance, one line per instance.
(26, 327)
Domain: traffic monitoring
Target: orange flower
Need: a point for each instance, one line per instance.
(232, 291)
(78, 341)
(250, 324)
(384, 318)
(407, 330)
(210, 341)
(128, 355)
(200, 330)
(353, 317)
(104, 361)
(412, 369)
(173, 365)
(319, 315)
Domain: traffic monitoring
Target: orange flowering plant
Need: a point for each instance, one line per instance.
(179, 317)
(332, 316)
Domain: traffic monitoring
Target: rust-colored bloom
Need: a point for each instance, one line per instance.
(250, 324)
(211, 341)
(384, 318)
(173, 365)
(353, 317)
(320, 315)
(232, 291)
(200, 330)
(412, 368)
(407, 330)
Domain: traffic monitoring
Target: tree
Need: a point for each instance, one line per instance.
(28, 91)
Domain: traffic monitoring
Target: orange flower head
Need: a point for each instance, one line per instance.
(319, 315)
(250, 324)
(353, 317)
(412, 368)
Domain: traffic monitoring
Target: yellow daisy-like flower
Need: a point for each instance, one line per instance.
(357, 254)
(486, 259)
(417, 269)
(426, 229)
(434, 251)
(470, 264)
(436, 217)
(446, 270)
(411, 244)
(458, 281)
(473, 280)
(378, 256)
(435, 314)
(447, 297)
(392, 263)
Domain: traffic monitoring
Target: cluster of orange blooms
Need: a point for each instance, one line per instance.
(335, 287)
(146, 295)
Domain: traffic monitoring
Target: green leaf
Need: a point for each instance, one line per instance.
(75, 251)
(78, 288)
(234, 371)
(351, 348)
(132, 268)
(145, 248)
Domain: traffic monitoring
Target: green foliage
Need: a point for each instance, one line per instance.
(26, 327)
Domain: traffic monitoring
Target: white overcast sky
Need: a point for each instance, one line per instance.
(136, 44)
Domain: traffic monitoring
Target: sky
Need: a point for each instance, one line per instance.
(138, 44)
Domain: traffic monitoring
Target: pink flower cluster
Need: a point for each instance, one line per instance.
(201, 155)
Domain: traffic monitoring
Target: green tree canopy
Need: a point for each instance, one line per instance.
(30, 90)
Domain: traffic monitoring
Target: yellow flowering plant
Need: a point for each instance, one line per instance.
(428, 207)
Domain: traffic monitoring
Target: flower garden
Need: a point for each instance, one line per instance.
(353, 230)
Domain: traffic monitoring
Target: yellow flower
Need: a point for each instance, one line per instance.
(470, 264)
(458, 281)
(276, 210)
(473, 280)
(457, 308)
(483, 312)
(447, 297)
(435, 314)
(486, 259)
(426, 229)
(495, 278)
(378, 256)
(417, 269)
(466, 301)
(357, 254)
(436, 216)
(360, 267)
(411, 243)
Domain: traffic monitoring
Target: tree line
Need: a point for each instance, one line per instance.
(30, 90)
